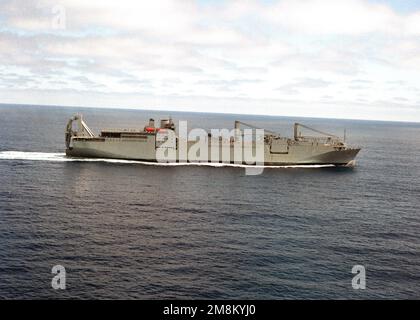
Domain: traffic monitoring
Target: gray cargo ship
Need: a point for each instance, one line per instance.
(142, 144)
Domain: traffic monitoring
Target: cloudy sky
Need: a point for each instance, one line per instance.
(324, 58)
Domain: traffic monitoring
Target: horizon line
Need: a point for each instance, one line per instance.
(208, 112)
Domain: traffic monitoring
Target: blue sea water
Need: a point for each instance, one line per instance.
(129, 230)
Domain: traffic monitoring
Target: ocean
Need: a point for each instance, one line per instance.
(128, 230)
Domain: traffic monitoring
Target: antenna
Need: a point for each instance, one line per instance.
(344, 135)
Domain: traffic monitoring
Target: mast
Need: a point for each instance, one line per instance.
(295, 130)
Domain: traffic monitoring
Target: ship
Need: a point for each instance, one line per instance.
(143, 144)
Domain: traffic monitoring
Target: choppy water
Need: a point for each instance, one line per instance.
(124, 229)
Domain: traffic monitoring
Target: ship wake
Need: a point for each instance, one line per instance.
(61, 157)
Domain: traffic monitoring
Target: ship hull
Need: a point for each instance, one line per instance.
(145, 150)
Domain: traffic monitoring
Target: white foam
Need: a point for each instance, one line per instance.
(61, 157)
(34, 156)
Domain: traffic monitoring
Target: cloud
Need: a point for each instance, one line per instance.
(351, 51)
(334, 17)
(295, 86)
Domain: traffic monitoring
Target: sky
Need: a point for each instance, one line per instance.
(356, 59)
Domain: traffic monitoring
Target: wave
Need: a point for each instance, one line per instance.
(61, 157)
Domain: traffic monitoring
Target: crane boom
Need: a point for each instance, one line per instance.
(311, 129)
(254, 127)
